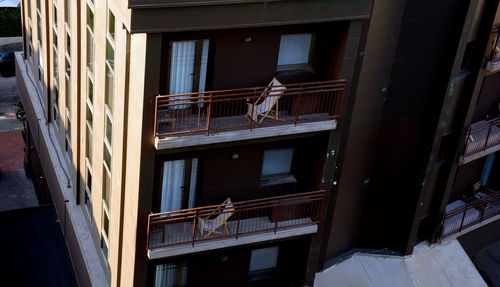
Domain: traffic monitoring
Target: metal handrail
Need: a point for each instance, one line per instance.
(203, 107)
(179, 227)
(480, 205)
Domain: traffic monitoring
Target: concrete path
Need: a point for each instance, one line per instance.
(9, 96)
(442, 265)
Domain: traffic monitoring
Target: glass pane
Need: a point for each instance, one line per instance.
(90, 90)
(110, 55)
(109, 88)
(105, 223)
(90, 51)
(107, 187)
(88, 183)
(90, 116)
(67, 12)
(90, 18)
(265, 258)
(277, 161)
(109, 129)
(111, 24)
(107, 156)
(88, 146)
(68, 92)
(171, 275)
(56, 66)
(294, 49)
(68, 44)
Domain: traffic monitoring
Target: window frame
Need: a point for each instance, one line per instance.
(302, 67)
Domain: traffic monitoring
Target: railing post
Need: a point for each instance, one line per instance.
(238, 225)
(463, 218)
(193, 229)
(148, 231)
(209, 114)
(299, 105)
(483, 207)
(276, 219)
(487, 137)
(441, 232)
(156, 116)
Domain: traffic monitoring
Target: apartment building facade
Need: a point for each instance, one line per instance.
(145, 117)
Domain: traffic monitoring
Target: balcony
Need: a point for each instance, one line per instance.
(225, 115)
(461, 216)
(493, 63)
(483, 138)
(181, 232)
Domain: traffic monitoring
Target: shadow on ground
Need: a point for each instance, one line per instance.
(33, 249)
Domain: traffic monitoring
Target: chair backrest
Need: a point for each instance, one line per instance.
(273, 92)
(224, 215)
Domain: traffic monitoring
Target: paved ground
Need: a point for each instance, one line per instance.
(9, 96)
(439, 265)
(33, 249)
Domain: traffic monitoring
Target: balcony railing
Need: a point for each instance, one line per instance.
(470, 214)
(234, 220)
(482, 137)
(224, 110)
(493, 64)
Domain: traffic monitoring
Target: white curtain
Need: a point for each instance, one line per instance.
(294, 49)
(183, 66)
(166, 275)
(203, 66)
(182, 69)
(173, 182)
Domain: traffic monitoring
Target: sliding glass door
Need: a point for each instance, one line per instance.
(188, 67)
(179, 184)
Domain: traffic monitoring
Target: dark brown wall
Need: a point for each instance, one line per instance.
(467, 175)
(229, 267)
(489, 99)
(376, 60)
(237, 64)
(426, 50)
(220, 176)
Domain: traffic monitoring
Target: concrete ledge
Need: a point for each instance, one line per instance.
(84, 254)
(230, 242)
(240, 135)
(470, 228)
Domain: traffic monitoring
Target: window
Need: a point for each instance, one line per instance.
(264, 259)
(277, 162)
(295, 52)
(67, 12)
(105, 231)
(111, 25)
(171, 275)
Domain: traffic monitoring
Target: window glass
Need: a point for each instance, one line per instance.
(171, 275)
(294, 51)
(265, 258)
(277, 161)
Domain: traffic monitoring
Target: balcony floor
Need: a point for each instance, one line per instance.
(180, 234)
(238, 134)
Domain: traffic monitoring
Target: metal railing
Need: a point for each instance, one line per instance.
(495, 52)
(481, 136)
(470, 214)
(236, 109)
(232, 220)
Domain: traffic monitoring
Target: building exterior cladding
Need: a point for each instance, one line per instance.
(145, 116)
